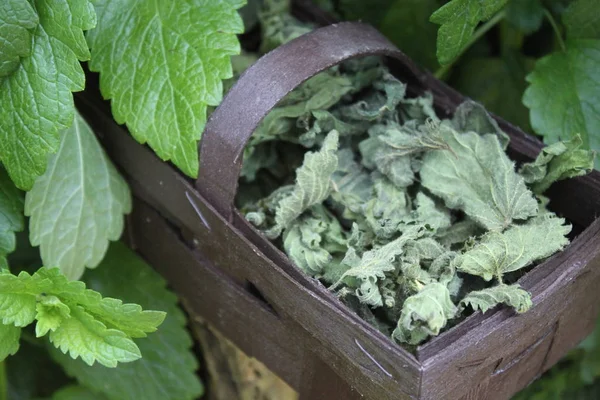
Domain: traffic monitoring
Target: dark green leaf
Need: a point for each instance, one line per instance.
(498, 83)
(36, 98)
(167, 368)
(564, 94)
(458, 20)
(582, 20)
(407, 24)
(11, 216)
(525, 15)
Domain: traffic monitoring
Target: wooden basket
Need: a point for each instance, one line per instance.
(245, 287)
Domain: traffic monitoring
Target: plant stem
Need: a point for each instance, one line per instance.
(479, 32)
(552, 21)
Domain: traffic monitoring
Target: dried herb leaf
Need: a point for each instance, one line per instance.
(561, 160)
(424, 314)
(478, 178)
(511, 295)
(313, 185)
(517, 247)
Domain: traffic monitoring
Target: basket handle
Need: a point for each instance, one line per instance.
(268, 81)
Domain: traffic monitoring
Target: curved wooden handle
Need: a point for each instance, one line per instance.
(265, 83)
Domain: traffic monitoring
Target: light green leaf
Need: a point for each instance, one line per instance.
(511, 295)
(36, 98)
(77, 206)
(79, 321)
(51, 312)
(126, 317)
(517, 247)
(17, 20)
(76, 392)
(525, 15)
(18, 298)
(564, 94)
(167, 369)
(406, 23)
(458, 20)
(424, 314)
(83, 336)
(161, 64)
(478, 178)
(556, 162)
(582, 20)
(313, 184)
(9, 340)
(11, 216)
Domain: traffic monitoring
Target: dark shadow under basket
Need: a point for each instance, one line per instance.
(246, 288)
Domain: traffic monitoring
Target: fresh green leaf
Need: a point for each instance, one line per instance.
(424, 314)
(167, 369)
(582, 20)
(525, 15)
(564, 94)
(51, 312)
(32, 374)
(9, 340)
(313, 184)
(18, 298)
(126, 317)
(76, 317)
(517, 247)
(162, 66)
(81, 335)
(511, 295)
(11, 216)
(77, 206)
(76, 392)
(458, 20)
(406, 23)
(36, 98)
(558, 161)
(478, 178)
(17, 20)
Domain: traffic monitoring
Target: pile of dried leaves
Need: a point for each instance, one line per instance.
(411, 219)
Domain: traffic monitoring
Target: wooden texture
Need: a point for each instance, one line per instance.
(245, 287)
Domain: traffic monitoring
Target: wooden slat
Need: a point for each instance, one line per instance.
(565, 304)
(333, 331)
